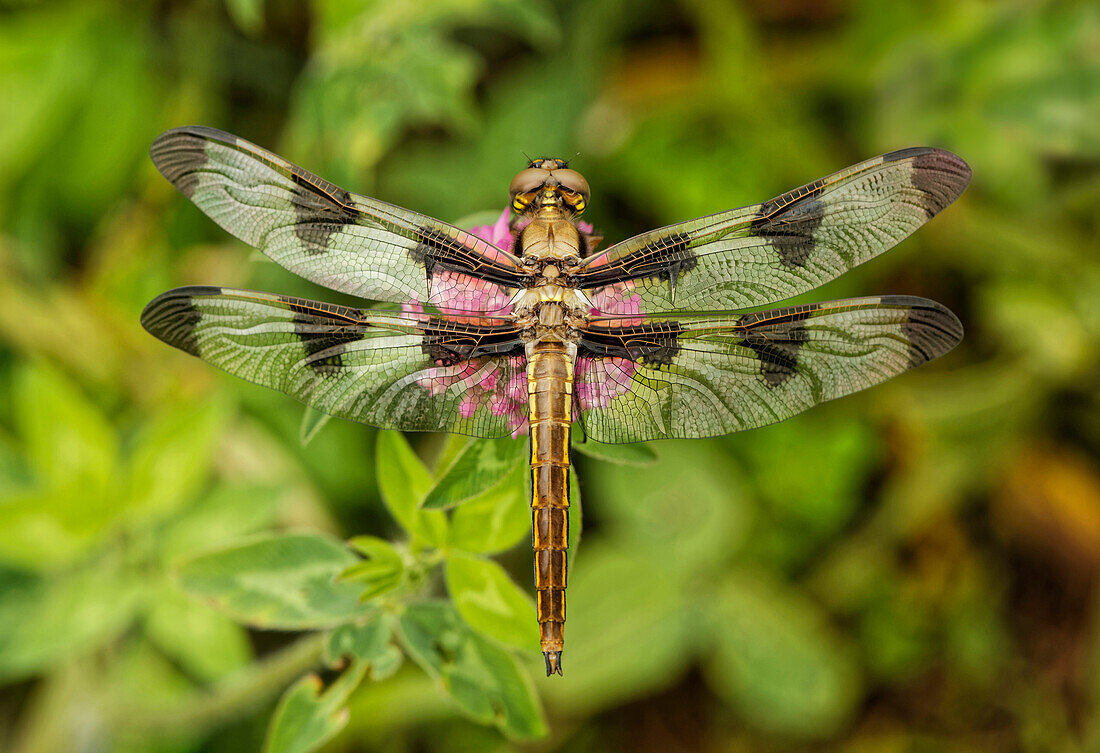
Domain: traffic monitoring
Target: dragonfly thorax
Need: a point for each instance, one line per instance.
(553, 238)
(531, 300)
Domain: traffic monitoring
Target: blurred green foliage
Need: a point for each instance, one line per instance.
(911, 568)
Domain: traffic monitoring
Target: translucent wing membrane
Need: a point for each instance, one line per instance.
(647, 367)
(344, 241)
(643, 378)
(395, 370)
(761, 254)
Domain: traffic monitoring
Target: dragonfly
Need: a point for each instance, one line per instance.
(659, 336)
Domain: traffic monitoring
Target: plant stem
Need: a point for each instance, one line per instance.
(247, 691)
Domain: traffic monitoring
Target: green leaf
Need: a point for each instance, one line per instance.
(370, 643)
(630, 630)
(404, 482)
(229, 512)
(172, 458)
(421, 75)
(248, 15)
(381, 571)
(45, 621)
(309, 714)
(277, 581)
(688, 510)
(482, 465)
(453, 446)
(637, 453)
(574, 513)
(72, 452)
(54, 81)
(141, 677)
(491, 602)
(778, 662)
(485, 681)
(495, 520)
(312, 422)
(817, 501)
(68, 440)
(204, 643)
(47, 530)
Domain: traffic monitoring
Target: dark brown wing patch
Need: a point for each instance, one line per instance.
(438, 250)
(447, 342)
(652, 343)
(791, 233)
(777, 350)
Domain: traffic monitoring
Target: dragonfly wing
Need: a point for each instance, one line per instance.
(757, 255)
(394, 370)
(344, 241)
(676, 377)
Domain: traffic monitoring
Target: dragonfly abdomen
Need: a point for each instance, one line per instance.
(550, 392)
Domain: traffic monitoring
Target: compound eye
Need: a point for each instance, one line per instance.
(527, 181)
(574, 200)
(574, 181)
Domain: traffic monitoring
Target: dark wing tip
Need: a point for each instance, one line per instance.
(171, 317)
(198, 131)
(181, 152)
(939, 174)
(908, 152)
(931, 328)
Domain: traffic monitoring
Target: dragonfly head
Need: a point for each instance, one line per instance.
(549, 182)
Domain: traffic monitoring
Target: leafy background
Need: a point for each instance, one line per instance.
(913, 568)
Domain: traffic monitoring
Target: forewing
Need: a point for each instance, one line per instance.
(394, 370)
(757, 255)
(670, 377)
(344, 241)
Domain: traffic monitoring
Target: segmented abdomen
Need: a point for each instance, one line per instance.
(550, 391)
